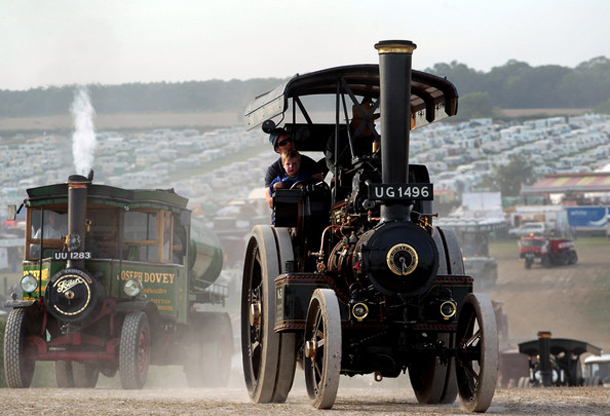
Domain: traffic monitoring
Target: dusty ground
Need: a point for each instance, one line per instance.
(555, 401)
(569, 301)
(554, 299)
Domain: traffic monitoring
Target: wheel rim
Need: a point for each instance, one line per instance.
(143, 352)
(254, 342)
(134, 350)
(477, 353)
(322, 362)
(315, 352)
(260, 344)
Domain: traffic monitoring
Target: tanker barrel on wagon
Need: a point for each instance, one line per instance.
(206, 256)
(395, 95)
(77, 212)
(544, 341)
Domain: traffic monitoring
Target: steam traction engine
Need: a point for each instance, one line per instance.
(116, 280)
(353, 277)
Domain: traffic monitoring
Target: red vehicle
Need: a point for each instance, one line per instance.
(547, 251)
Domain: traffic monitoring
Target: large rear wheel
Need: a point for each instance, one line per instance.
(477, 353)
(269, 358)
(134, 351)
(18, 366)
(322, 362)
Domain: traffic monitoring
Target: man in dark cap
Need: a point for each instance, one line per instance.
(282, 142)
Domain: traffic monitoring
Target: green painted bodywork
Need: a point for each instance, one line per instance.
(172, 287)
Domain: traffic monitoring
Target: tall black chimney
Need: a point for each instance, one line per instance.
(77, 210)
(395, 94)
(546, 372)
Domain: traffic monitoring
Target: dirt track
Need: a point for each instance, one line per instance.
(538, 299)
(568, 301)
(372, 401)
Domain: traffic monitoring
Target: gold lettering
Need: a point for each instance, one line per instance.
(66, 285)
(36, 273)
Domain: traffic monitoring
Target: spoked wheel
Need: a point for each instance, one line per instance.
(269, 358)
(18, 366)
(322, 362)
(432, 380)
(477, 353)
(134, 351)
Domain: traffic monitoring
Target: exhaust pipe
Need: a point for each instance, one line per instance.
(395, 94)
(546, 372)
(77, 210)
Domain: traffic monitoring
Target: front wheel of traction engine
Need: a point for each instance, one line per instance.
(322, 355)
(18, 367)
(477, 353)
(134, 350)
(269, 358)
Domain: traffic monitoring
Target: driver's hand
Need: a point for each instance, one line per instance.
(279, 185)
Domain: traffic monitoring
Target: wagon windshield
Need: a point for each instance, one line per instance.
(149, 236)
(51, 225)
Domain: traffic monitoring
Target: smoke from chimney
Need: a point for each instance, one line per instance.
(83, 140)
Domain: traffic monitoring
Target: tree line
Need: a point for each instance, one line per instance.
(519, 85)
(513, 85)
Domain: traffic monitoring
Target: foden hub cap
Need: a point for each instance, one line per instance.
(71, 295)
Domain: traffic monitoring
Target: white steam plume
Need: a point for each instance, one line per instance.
(83, 140)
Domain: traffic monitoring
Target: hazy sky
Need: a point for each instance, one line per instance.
(58, 42)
